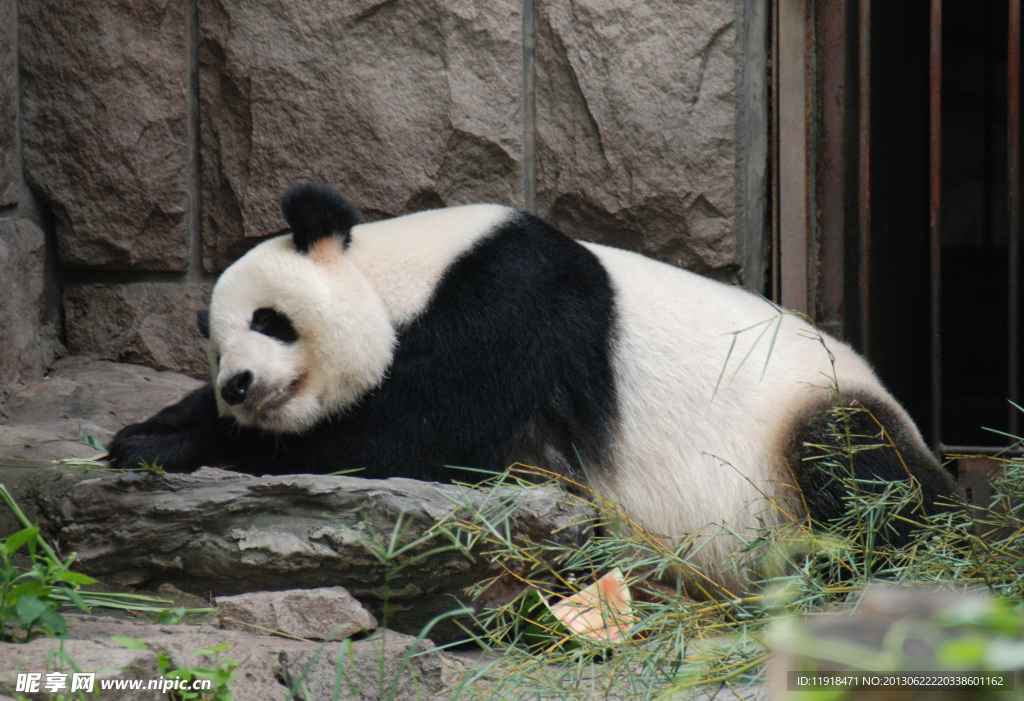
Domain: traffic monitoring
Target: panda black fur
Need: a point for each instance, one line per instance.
(478, 336)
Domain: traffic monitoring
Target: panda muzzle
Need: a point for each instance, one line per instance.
(274, 398)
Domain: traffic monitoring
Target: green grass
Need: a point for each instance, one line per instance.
(680, 645)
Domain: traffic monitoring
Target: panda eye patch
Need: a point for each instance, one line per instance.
(273, 323)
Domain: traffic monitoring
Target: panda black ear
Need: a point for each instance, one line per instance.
(203, 320)
(316, 212)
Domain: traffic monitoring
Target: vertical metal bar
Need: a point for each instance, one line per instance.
(529, 107)
(1013, 203)
(864, 173)
(755, 121)
(934, 211)
(776, 265)
(834, 45)
(989, 130)
(793, 175)
(194, 266)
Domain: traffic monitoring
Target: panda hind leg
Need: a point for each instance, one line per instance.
(822, 461)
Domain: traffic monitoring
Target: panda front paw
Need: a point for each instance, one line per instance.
(133, 448)
(177, 439)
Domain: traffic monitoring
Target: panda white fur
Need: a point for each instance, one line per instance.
(478, 336)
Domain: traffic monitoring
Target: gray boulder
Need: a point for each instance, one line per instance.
(328, 613)
(222, 533)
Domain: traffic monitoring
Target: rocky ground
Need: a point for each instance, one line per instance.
(45, 420)
(268, 666)
(229, 537)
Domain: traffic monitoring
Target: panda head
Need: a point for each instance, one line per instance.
(297, 332)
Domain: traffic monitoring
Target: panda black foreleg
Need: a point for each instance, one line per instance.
(180, 438)
(838, 451)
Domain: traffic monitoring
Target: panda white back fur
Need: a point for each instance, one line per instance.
(478, 336)
(702, 446)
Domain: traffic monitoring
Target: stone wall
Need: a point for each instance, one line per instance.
(8, 102)
(29, 318)
(156, 136)
(401, 105)
(29, 340)
(636, 127)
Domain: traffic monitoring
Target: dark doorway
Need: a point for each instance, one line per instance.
(898, 320)
(975, 277)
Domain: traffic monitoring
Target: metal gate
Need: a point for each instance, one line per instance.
(896, 222)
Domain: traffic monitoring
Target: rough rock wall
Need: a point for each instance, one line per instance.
(148, 323)
(104, 128)
(28, 340)
(159, 135)
(8, 101)
(402, 105)
(636, 111)
(29, 332)
(105, 145)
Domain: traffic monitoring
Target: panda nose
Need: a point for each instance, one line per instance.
(234, 389)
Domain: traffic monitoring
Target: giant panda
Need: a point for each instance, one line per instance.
(479, 336)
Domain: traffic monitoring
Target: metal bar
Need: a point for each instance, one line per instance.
(979, 450)
(194, 258)
(793, 175)
(988, 132)
(755, 121)
(776, 266)
(833, 80)
(934, 212)
(529, 107)
(1013, 204)
(864, 174)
